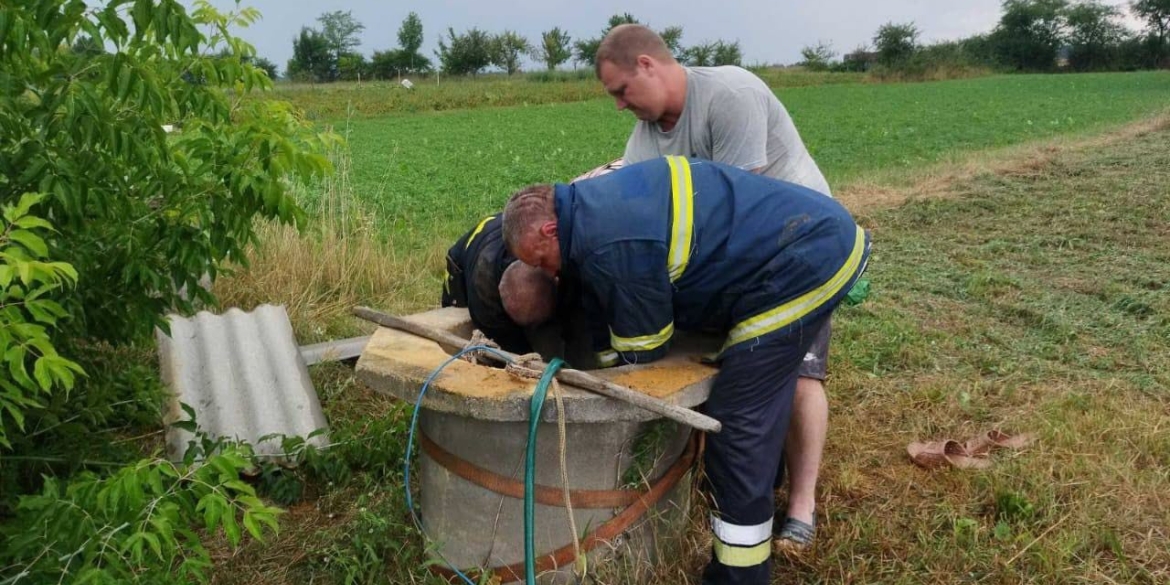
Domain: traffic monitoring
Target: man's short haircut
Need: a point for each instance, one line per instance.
(625, 42)
(526, 210)
(529, 294)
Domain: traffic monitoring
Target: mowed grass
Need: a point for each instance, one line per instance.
(1035, 298)
(428, 177)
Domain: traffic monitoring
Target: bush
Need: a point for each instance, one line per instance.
(135, 526)
(394, 62)
(138, 214)
(560, 76)
(465, 54)
(30, 285)
(1029, 34)
(895, 44)
(142, 214)
(818, 58)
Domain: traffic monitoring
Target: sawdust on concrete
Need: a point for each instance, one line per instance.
(407, 356)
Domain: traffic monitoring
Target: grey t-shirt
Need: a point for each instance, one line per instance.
(730, 116)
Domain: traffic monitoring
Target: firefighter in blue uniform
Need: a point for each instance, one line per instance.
(475, 266)
(686, 244)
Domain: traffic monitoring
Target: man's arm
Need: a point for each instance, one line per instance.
(629, 302)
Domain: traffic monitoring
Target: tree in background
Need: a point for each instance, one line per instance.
(958, 55)
(394, 62)
(585, 50)
(819, 57)
(1156, 14)
(352, 67)
(311, 60)
(1094, 36)
(620, 19)
(554, 48)
(340, 30)
(672, 36)
(712, 54)
(1029, 34)
(895, 44)
(727, 53)
(405, 59)
(465, 54)
(87, 46)
(265, 65)
(506, 49)
(410, 38)
(700, 55)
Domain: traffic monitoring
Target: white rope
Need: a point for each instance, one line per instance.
(581, 562)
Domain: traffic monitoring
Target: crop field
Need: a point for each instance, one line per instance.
(382, 97)
(1020, 282)
(424, 177)
(416, 181)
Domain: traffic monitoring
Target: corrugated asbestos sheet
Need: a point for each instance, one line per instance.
(244, 376)
(327, 351)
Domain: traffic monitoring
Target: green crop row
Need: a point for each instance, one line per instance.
(428, 176)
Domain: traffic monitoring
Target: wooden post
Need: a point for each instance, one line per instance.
(575, 377)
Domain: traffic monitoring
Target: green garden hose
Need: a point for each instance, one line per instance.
(535, 407)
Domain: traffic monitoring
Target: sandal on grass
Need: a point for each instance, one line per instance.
(996, 439)
(795, 536)
(944, 453)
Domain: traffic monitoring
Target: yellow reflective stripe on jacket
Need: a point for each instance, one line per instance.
(682, 216)
(606, 358)
(742, 556)
(642, 343)
(788, 313)
(478, 228)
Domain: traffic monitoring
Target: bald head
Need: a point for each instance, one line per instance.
(529, 295)
(626, 42)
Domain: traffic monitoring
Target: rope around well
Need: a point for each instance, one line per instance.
(528, 367)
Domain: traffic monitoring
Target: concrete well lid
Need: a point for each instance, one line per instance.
(398, 363)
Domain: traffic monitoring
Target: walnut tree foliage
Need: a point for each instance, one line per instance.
(105, 216)
(31, 286)
(141, 213)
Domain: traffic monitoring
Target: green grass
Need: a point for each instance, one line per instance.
(379, 98)
(428, 176)
(1034, 298)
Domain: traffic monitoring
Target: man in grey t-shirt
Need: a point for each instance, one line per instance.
(728, 115)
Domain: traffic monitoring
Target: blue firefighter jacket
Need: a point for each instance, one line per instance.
(690, 244)
(475, 265)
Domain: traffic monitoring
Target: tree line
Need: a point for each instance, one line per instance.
(1031, 36)
(328, 53)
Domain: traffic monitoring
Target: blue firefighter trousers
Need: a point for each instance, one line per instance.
(752, 396)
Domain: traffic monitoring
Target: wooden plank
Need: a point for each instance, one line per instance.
(577, 378)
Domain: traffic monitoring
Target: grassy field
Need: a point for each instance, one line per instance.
(1029, 291)
(1032, 299)
(1021, 282)
(430, 174)
(379, 98)
(410, 184)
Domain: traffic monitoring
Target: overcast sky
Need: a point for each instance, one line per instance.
(769, 31)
